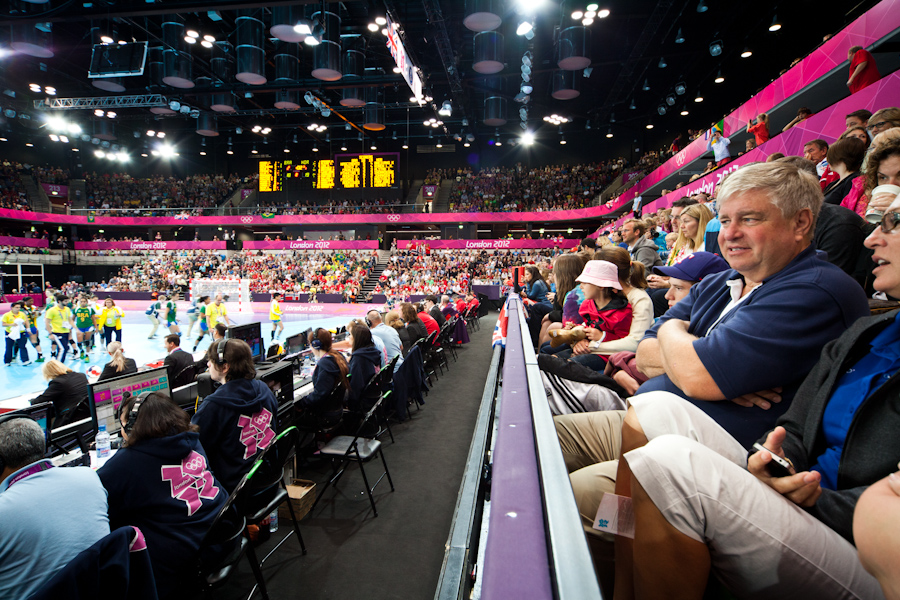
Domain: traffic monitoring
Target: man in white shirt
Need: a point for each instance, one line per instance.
(386, 334)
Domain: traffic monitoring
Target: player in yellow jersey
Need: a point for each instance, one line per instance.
(60, 322)
(275, 315)
(33, 312)
(16, 324)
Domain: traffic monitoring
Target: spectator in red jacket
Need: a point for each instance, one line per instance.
(863, 70)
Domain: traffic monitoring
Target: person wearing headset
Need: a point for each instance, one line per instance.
(160, 482)
(365, 361)
(237, 421)
(322, 407)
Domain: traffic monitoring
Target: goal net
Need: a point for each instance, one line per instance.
(234, 291)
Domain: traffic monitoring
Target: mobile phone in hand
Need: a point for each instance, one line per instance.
(778, 467)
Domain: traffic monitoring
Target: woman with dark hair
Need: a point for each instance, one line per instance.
(237, 421)
(321, 408)
(365, 361)
(414, 325)
(160, 483)
(845, 158)
(536, 288)
(569, 295)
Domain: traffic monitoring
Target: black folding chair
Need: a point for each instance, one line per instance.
(265, 490)
(346, 449)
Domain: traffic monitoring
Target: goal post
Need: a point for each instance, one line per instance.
(234, 291)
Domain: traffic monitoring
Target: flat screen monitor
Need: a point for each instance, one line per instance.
(280, 379)
(297, 343)
(117, 60)
(41, 413)
(107, 395)
(252, 334)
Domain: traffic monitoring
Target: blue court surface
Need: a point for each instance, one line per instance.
(17, 380)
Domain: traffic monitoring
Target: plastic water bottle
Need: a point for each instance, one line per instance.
(273, 521)
(102, 442)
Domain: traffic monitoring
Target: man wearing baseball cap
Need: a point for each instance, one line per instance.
(736, 347)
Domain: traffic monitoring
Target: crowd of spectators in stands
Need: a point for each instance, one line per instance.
(12, 191)
(51, 175)
(123, 195)
(331, 207)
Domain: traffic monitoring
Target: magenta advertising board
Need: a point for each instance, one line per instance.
(21, 242)
(490, 244)
(153, 245)
(311, 245)
(56, 191)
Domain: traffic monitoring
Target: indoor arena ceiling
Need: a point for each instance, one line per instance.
(646, 57)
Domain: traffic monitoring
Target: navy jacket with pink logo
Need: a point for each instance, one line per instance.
(236, 422)
(164, 488)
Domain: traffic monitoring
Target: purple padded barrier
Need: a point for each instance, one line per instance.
(491, 291)
(516, 563)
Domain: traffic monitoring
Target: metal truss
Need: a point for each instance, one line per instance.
(141, 101)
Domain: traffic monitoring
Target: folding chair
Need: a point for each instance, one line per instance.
(379, 385)
(263, 494)
(347, 449)
(427, 362)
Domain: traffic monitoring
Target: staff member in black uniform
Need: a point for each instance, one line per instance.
(66, 388)
(237, 421)
(160, 483)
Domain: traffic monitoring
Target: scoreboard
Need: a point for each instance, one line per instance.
(343, 172)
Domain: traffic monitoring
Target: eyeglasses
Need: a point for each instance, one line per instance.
(879, 125)
(890, 221)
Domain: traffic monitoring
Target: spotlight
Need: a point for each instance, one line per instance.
(609, 133)
(577, 15)
(315, 148)
(662, 63)
(661, 109)
(528, 138)
(51, 91)
(649, 125)
(206, 44)
(702, 7)
(590, 15)
(699, 98)
(527, 88)
(344, 148)
(209, 38)
(254, 150)
(174, 105)
(562, 141)
(193, 33)
(303, 27)
(684, 112)
(587, 22)
(374, 147)
(646, 86)
(680, 88)
(776, 24)
(190, 40)
(373, 27)
(632, 105)
(524, 27)
(381, 21)
(438, 145)
(446, 109)
(160, 134)
(593, 6)
(602, 14)
(670, 99)
(747, 53)
(719, 78)
(716, 47)
(679, 37)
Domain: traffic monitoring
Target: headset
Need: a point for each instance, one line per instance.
(133, 413)
(316, 343)
(220, 351)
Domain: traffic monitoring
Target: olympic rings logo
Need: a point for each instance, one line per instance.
(246, 219)
(393, 218)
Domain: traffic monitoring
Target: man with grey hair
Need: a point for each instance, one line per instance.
(739, 345)
(388, 335)
(47, 515)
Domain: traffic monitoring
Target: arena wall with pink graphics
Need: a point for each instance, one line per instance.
(311, 245)
(828, 124)
(55, 190)
(20, 242)
(152, 245)
(488, 244)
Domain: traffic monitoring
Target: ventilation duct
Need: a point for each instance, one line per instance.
(104, 130)
(373, 119)
(283, 20)
(176, 60)
(565, 85)
(354, 68)
(207, 126)
(251, 58)
(488, 52)
(574, 48)
(495, 111)
(483, 15)
(203, 83)
(327, 55)
(32, 41)
(287, 70)
(109, 84)
(222, 65)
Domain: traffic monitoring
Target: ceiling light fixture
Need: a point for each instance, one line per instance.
(702, 7)
(602, 14)
(776, 24)
(716, 47)
(719, 78)
(577, 15)
(609, 133)
(747, 53)
(679, 37)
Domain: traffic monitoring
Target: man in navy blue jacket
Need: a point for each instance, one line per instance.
(743, 340)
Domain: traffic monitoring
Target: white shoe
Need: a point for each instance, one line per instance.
(27, 362)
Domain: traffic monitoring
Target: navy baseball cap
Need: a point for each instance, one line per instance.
(694, 267)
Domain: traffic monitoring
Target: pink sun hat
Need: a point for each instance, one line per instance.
(601, 273)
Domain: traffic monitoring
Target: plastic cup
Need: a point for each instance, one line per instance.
(874, 215)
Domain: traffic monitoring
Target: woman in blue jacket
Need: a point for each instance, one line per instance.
(535, 287)
(160, 483)
(365, 361)
(321, 407)
(237, 421)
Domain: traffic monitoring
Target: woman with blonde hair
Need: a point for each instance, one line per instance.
(692, 227)
(65, 389)
(392, 319)
(118, 364)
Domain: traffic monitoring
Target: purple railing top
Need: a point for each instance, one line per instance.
(489, 244)
(22, 242)
(311, 245)
(153, 245)
(516, 561)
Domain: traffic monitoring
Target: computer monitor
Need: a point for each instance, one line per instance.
(252, 334)
(280, 379)
(42, 414)
(297, 343)
(106, 396)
